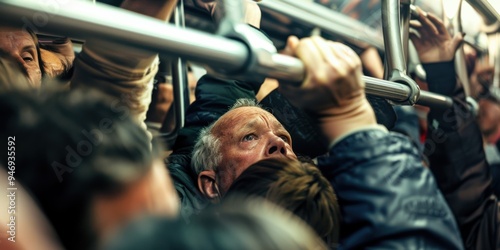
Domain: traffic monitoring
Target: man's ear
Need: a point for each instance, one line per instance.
(207, 185)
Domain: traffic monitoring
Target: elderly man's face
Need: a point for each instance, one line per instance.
(248, 135)
(19, 46)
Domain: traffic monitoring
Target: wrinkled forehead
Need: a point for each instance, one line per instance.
(17, 35)
(238, 117)
(16, 31)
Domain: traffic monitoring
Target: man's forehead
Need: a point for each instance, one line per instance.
(243, 115)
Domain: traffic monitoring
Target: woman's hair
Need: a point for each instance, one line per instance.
(297, 186)
(70, 147)
(235, 224)
(41, 64)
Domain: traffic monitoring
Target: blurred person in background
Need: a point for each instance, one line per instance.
(52, 58)
(237, 223)
(89, 169)
(455, 146)
(30, 228)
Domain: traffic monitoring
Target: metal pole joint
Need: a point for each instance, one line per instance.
(414, 95)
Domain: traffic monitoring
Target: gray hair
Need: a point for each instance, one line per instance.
(245, 102)
(206, 151)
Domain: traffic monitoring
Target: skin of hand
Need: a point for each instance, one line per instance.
(333, 90)
(433, 43)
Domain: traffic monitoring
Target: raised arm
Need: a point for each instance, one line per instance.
(388, 200)
(454, 145)
(123, 73)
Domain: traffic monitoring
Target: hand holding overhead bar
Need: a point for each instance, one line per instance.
(435, 44)
(333, 90)
(266, 61)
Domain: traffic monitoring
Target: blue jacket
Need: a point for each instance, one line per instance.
(388, 200)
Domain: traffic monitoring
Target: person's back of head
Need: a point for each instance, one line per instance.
(73, 149)
(235, 224)
(297, 186)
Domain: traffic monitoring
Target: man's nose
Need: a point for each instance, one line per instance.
(276, 146)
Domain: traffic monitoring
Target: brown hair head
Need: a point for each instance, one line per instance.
(297, 186)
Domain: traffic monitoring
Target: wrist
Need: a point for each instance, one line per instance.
(337, 122)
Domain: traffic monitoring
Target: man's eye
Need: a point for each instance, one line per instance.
(249, 137)
(285, 138)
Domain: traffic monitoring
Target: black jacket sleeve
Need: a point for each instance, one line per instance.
(457, 160)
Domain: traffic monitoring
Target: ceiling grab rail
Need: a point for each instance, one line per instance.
(452, 16)
(490, 16)
(405, 17)
(395, 92)
(237, 59)
(395, 69)
(349, 29)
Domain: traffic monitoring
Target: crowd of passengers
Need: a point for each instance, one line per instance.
(257, 165)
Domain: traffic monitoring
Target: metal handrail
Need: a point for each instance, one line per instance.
(392, 36)
(351, 30)
(455, 24)
(179, 81)
(490, 16)
(148, 33)
(395, 29)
